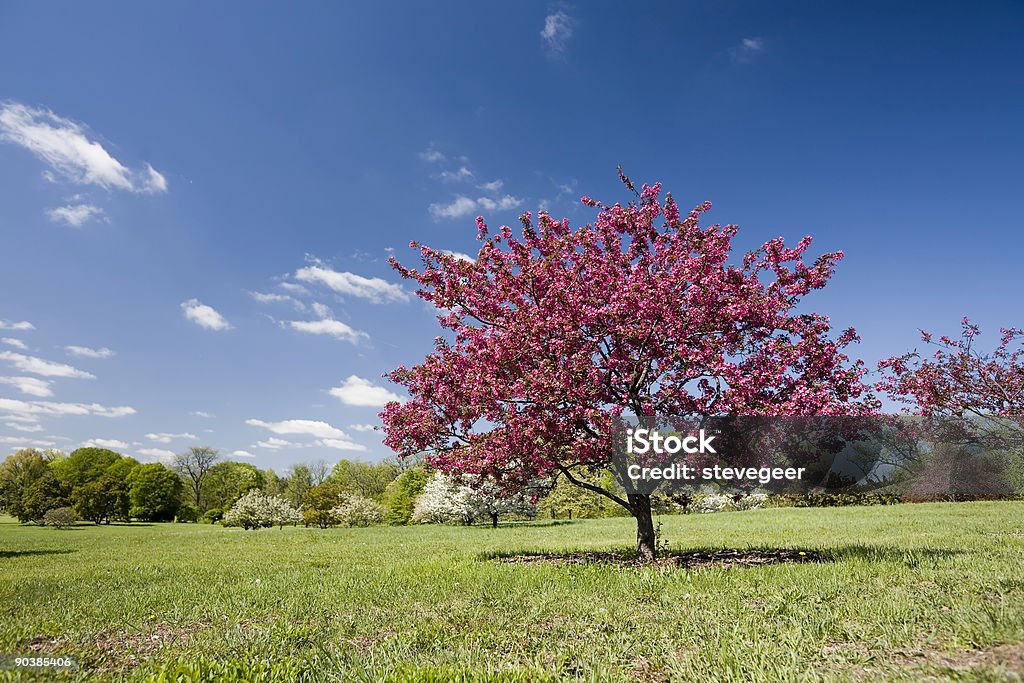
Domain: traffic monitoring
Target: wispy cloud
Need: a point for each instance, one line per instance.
(558, 28)
(31, 386)
(75, 215)
(274, 443)
(87, 352)
(30, 408)
(271, 298)
(363, 427)
(161, 454)
(31, 427)
(165, 437)
(45, 368)
(204, 316)
(464, 206)
(746, 50)
(24, 325)
(462, 173)
(494, 186)
(16, 343)
(432, 155)
(106, 443)
(329, 327)
(356, 391)
(242, 454)
(69, 149)
(372, 289)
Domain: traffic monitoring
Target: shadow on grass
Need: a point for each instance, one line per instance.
(4, 554)
(703, 558)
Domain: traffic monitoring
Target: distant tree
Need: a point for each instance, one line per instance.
(59, 518)
(85, 465)
(319, 502)
(466, 499)
(155, 492)
(102, 500)
(28, 485)
(401, 494)
(365, 479)
(356, 510)
(295, 483)
(256, 509)
(273, 485)
(319, 471)
(193, 466)
(226, 482)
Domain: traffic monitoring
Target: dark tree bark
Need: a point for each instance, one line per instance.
(646, 542)
(494, 520)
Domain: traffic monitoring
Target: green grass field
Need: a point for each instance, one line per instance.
(911, 591)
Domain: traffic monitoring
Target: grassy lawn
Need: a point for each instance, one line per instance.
(912, 591)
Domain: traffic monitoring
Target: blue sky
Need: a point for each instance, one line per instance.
(165, 168)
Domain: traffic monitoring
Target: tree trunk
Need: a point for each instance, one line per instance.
(494, 520)
(646, 543)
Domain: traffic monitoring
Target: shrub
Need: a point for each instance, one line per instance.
(710, 502)
(358, 511)
(186, 513)
(213, 515)
(59, 518)
(751, 501)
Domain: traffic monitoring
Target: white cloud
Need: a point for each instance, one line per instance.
(29, 385)
(274, 443)
(20, 418)
(242, 454)
(16, 343)
(464, 206)
(493, 186)
(105, 443)
(460, 206)
(161, 454)
(323, 310)
(86, 352)
(31, 427)
(356, 391)
(38, 366)
(462, 173)
(341, 444)
(373, 289)
(746, 50)
(204, 316)
(315, 428)
(155, 182)
(362, 427)
(459, 255)
(270, 298)
(201, 413)
(23, 325)
(556, 32)
(27, 408)
(25, 442)
(164, 437)
(334, 328)
(293, 287)
(432, 155)
(66, 146)
(74, 215)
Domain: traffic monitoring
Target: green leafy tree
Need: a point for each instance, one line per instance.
(318, 503)
(365, 479)
(226, 482)
(85, 465)
(29, 486)
(102, 500)
(400, 495)
(155, 493)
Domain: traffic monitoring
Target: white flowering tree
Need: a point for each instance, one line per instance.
(447, 499)
(355, 510)
(256, 509)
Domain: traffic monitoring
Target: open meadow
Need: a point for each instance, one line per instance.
(905, 592)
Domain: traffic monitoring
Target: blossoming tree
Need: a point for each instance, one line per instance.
(555, 331)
